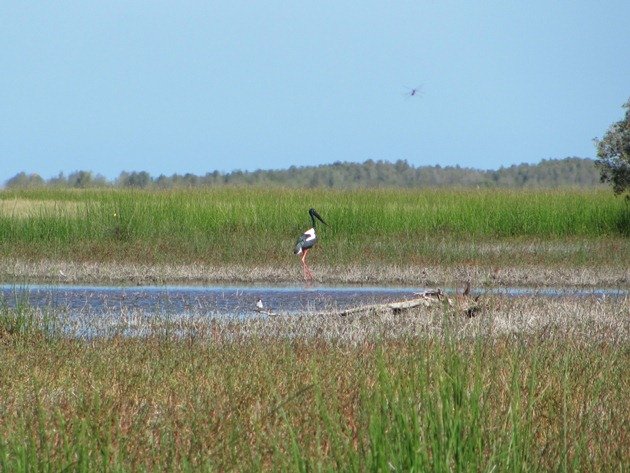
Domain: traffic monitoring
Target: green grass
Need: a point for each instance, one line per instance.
(254, 226)
(18, 319)
(532, 400)
(540, 401)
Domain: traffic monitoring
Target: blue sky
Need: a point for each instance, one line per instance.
(190, 86)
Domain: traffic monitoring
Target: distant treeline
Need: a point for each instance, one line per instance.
(546, 174)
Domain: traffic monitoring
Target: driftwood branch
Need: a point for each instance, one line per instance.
(463, 303)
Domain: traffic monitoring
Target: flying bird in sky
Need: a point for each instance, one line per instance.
(414, 91)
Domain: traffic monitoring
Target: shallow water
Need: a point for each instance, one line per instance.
(237, 301)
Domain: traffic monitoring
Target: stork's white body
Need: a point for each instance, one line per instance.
(306, 241)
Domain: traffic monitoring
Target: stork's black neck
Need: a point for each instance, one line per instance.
(314, 215)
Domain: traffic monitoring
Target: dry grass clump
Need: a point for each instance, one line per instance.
(119, 273)
(22, 208)
(590, 319)
(530, 384)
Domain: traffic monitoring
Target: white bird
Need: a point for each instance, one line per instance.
(260, 308)
(306, 242)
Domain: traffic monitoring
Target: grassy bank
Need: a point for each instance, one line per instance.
(531, 385)
(254, 226)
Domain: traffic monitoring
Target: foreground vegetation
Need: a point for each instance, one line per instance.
(256, 226)
(529, 385)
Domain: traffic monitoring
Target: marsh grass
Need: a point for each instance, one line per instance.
(529, 385)
(19, 319)
(254, 226)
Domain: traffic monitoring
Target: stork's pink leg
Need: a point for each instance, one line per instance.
(307, 272)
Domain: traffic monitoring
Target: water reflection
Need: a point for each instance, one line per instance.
(94, 311)
(237, 300)
(216, 300)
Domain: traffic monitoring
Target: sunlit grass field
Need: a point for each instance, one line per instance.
(257, 226)
(529, 385)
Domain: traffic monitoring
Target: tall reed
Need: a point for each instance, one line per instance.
(240, 225)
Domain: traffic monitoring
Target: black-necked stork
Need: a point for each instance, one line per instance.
(306, 242)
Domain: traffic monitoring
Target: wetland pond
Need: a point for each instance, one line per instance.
(238, 301)
(104, 311)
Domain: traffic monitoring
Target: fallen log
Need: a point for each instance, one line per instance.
(463, 303)
(435, 297)
(425, 299)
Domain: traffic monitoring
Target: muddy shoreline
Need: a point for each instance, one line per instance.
(68, 272)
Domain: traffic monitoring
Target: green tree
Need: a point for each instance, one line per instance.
(613, 152)
(25, 181)
(80, 179)
(135, 179)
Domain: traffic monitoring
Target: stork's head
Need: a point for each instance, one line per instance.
(313, 213)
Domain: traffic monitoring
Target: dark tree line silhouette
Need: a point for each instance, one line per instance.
(344, 175)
